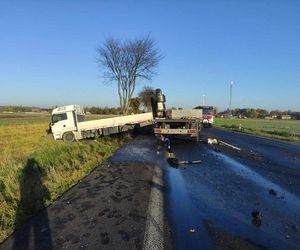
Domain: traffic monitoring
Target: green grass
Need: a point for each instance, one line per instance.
(280, 129)
(23, 118)
(35, 170)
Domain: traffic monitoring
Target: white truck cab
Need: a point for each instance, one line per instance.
(64, 122)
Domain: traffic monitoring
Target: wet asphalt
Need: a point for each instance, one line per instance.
(233, 199)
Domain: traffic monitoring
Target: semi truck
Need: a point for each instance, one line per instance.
(175, 123)
(68, 124)
(208, 115)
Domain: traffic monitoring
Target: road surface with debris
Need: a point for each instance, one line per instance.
(242, 192)
(244, 195)
(118, 206)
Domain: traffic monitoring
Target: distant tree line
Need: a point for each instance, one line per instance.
(259, 113)
(137, 102)
(133, 108)
(16, 109)
(103, 110)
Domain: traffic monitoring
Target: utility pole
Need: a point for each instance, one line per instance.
(203, 100)
(230, 98)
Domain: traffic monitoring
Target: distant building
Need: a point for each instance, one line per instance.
(286, 117)
(269, 117)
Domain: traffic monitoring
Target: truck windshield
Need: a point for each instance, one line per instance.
(59, 117)
(207, 111)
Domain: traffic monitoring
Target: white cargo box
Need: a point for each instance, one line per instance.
(186, 114)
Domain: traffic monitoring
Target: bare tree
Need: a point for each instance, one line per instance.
(145, 94)
(125, 62)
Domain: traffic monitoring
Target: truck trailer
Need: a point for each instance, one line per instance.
(175, 123)
(68, 124)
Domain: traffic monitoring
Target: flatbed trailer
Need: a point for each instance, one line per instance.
(67, 123)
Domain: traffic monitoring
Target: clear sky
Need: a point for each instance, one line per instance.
(48, 51)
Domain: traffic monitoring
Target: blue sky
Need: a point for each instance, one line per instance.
(48, 51)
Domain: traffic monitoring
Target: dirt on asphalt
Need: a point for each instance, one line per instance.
(106, 210)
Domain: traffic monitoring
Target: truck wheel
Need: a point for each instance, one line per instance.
(68, 136)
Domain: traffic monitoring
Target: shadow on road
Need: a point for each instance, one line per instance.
(35, 234)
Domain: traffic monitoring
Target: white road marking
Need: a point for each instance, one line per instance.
(154, 233)
(229, 145)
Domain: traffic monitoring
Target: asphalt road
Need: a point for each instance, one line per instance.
(241, 197)
(118, 206)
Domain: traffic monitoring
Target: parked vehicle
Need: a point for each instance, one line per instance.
(67, 123)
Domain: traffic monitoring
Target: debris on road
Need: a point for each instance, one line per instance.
(212, 141)
(171, 158)
(272, 192)
(174, 162)
(256, 217)
(104, 238)
(167, 142)
(216, 149)
(294, 227)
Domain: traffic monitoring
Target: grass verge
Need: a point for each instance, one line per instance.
(278, 129)
(35, 170)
